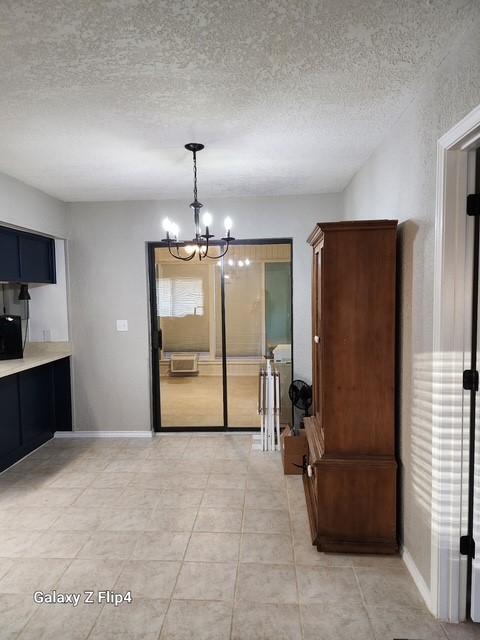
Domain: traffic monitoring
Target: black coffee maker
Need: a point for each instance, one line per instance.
(11, 346)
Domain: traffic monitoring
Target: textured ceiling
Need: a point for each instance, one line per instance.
(98, 97)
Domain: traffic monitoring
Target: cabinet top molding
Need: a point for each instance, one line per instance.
(357, 225)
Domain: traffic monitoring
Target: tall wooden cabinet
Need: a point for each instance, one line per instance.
(350, 473)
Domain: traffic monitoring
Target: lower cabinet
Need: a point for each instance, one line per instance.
(36, 403)
(33, 405)
(10, 437)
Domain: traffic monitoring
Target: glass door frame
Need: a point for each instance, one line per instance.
(156, 413)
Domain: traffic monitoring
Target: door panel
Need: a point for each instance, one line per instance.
(36, 402)
(36, 257)
(9, 257)
(191, 388)
(472, 402)
(257, 324)
(10, 438)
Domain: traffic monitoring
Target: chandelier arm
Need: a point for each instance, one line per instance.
(220, 255)
(178, 256)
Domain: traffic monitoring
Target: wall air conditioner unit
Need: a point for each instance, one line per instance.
(282, 353)
(184, 364)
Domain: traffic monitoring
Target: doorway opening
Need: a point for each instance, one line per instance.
(213, 322)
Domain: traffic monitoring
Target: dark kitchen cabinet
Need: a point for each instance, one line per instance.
(62, 395)
(9, 256)
(37, 259)
(36, 402)
(10, 437)
(26, 257)
(33, 405)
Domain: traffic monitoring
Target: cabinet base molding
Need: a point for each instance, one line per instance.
(384, 547)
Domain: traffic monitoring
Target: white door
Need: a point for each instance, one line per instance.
(472, 401)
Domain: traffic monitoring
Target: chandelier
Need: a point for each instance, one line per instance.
(200, 245)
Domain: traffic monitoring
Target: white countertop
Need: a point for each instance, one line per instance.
(36, 354)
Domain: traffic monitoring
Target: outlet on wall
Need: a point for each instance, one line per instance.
(122, 325)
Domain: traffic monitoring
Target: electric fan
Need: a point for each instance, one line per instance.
(300, 393)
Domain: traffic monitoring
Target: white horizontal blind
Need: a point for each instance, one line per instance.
(179, 297)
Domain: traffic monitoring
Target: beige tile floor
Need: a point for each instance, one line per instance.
(209, 536)
(205, 401)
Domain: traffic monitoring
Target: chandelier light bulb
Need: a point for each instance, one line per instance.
(174, 229)
(241, 263)
(166, 224)
(228, 223)
(207, 219)
(231, 263)
(247, 261)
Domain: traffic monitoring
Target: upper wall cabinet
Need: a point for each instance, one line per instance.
(26, 257)
(9, 256)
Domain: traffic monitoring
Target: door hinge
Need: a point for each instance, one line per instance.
(470, 380)
(467, 546)
(473, 204)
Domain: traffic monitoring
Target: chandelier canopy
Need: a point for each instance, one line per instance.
(200, 245)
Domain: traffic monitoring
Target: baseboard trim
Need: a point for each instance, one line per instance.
(103, 434)
(417, 578)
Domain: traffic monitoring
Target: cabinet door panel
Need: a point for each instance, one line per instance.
(63, 395)
(36, 402)
(9, 256)
(10, 438)
(36, 259)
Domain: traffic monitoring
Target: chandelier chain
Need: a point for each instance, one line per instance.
(194, 176)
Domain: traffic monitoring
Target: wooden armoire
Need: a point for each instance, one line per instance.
(350, 470)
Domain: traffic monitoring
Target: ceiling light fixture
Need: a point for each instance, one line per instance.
(200, 245)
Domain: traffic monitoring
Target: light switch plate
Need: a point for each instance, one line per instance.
(122, 325)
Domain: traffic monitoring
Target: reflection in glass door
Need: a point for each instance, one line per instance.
(215, 321)
(258, 323)
(191, 385)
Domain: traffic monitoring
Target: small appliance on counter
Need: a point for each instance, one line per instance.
(11, 346)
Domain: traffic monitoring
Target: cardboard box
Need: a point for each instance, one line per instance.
(293, 450)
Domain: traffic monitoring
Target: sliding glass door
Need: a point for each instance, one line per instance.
(191, 380)
(213, 323)
(258, 322)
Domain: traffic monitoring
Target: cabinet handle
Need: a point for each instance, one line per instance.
(310, 471)
(316, 339)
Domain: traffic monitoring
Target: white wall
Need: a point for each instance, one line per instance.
(108, 276)
(49, 304)
(398, 181)
(28, 208)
